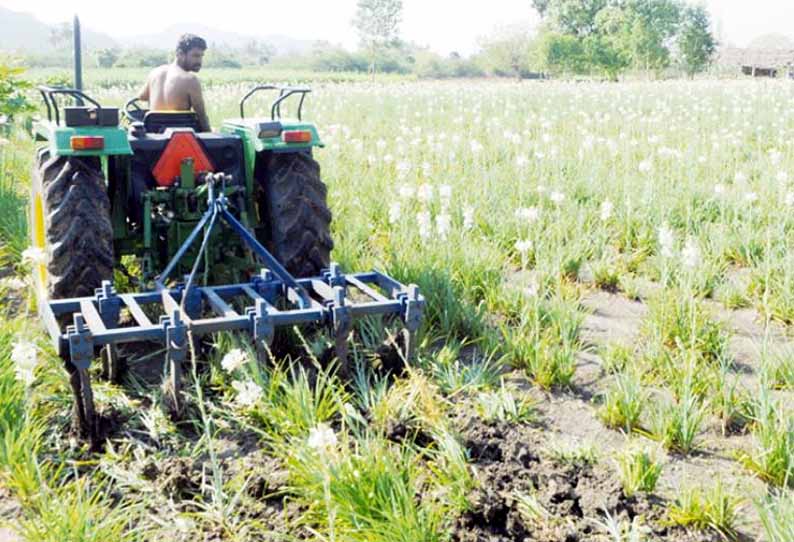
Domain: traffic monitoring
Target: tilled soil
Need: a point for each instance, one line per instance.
(509, 462)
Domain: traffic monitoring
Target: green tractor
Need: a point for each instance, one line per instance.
(101, 192)
(104, 195)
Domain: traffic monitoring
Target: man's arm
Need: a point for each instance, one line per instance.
(144, 93)
(197, 103)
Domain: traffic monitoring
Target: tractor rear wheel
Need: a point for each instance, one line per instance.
(70, 224)
(294, 212)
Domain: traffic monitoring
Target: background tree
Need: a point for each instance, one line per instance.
(696, 43)
(106, 58)
(508, 51)
(13, 97)
(61, 36)
(259, 52)
(378, 22)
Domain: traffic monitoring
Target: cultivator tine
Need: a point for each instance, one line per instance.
(412, 319)
(81, 350)
(111, 364)
(261, 324)
(342, 326)
(176, 352)
(109, 311)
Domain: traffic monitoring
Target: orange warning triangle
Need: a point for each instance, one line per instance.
(182, 145)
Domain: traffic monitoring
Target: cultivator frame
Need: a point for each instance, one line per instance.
(317, 301)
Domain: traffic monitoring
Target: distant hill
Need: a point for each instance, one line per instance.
(23, 32)
(167, 39)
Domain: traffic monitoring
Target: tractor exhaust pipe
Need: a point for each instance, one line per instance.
(78, 58)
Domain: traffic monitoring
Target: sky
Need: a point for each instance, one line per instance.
(444, 25)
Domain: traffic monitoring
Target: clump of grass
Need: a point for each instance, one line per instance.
(77, 511)
(292, 402)
(623, 403)
(622, 531)
(616, 357)
(584, 454)
(715, 509)
(454, 376)
(543, 341)
(415, 400)
(532, 512)
(772, 457)
(676, 424)
(506, 404)
(639, 471)
(728, 401)
(681, 323)
(777, 516)
(364, 489)
(779, 370)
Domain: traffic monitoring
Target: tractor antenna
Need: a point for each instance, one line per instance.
(78, 59)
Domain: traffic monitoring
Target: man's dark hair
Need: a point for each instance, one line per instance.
(190, 41)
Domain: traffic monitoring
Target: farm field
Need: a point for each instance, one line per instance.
(607, 352)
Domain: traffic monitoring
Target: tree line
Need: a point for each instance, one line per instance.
(595, 38)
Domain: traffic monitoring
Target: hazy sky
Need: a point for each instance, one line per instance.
(444, 25)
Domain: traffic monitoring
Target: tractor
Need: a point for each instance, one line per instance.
(227, 231)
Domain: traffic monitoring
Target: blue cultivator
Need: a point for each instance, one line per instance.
(320, 301)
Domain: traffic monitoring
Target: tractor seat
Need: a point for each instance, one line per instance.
(156, 122)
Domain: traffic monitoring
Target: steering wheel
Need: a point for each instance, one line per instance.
(134, 112)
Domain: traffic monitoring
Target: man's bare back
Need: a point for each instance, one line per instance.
(176, 87)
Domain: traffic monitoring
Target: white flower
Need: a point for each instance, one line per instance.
(782, 177)
(3, 142)
(248, 393)
(406, 191)
(322, 438)
(445, 193)
(12, 283)
(645, 166)
(403, 168)
(380, 144)
(751, 197)
(234, 359)
(719, 189)
(427, 168)
(789, 199)
(423, 219)
(395, 211)
(475, 146)
(532, 288)
(530, 214)
(740, 177)
(523, 246)
(521, 160)
(24, 354)
(557, 197)
(442, 225)
(468, 218)
(690, 256)
(606, 210)
(425, 193)
(775, 156)
(666, 240)
(34, 255)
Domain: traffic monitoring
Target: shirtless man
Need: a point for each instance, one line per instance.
(175, 87)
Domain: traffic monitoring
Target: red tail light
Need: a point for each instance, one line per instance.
(87, 143)
(296, 136)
